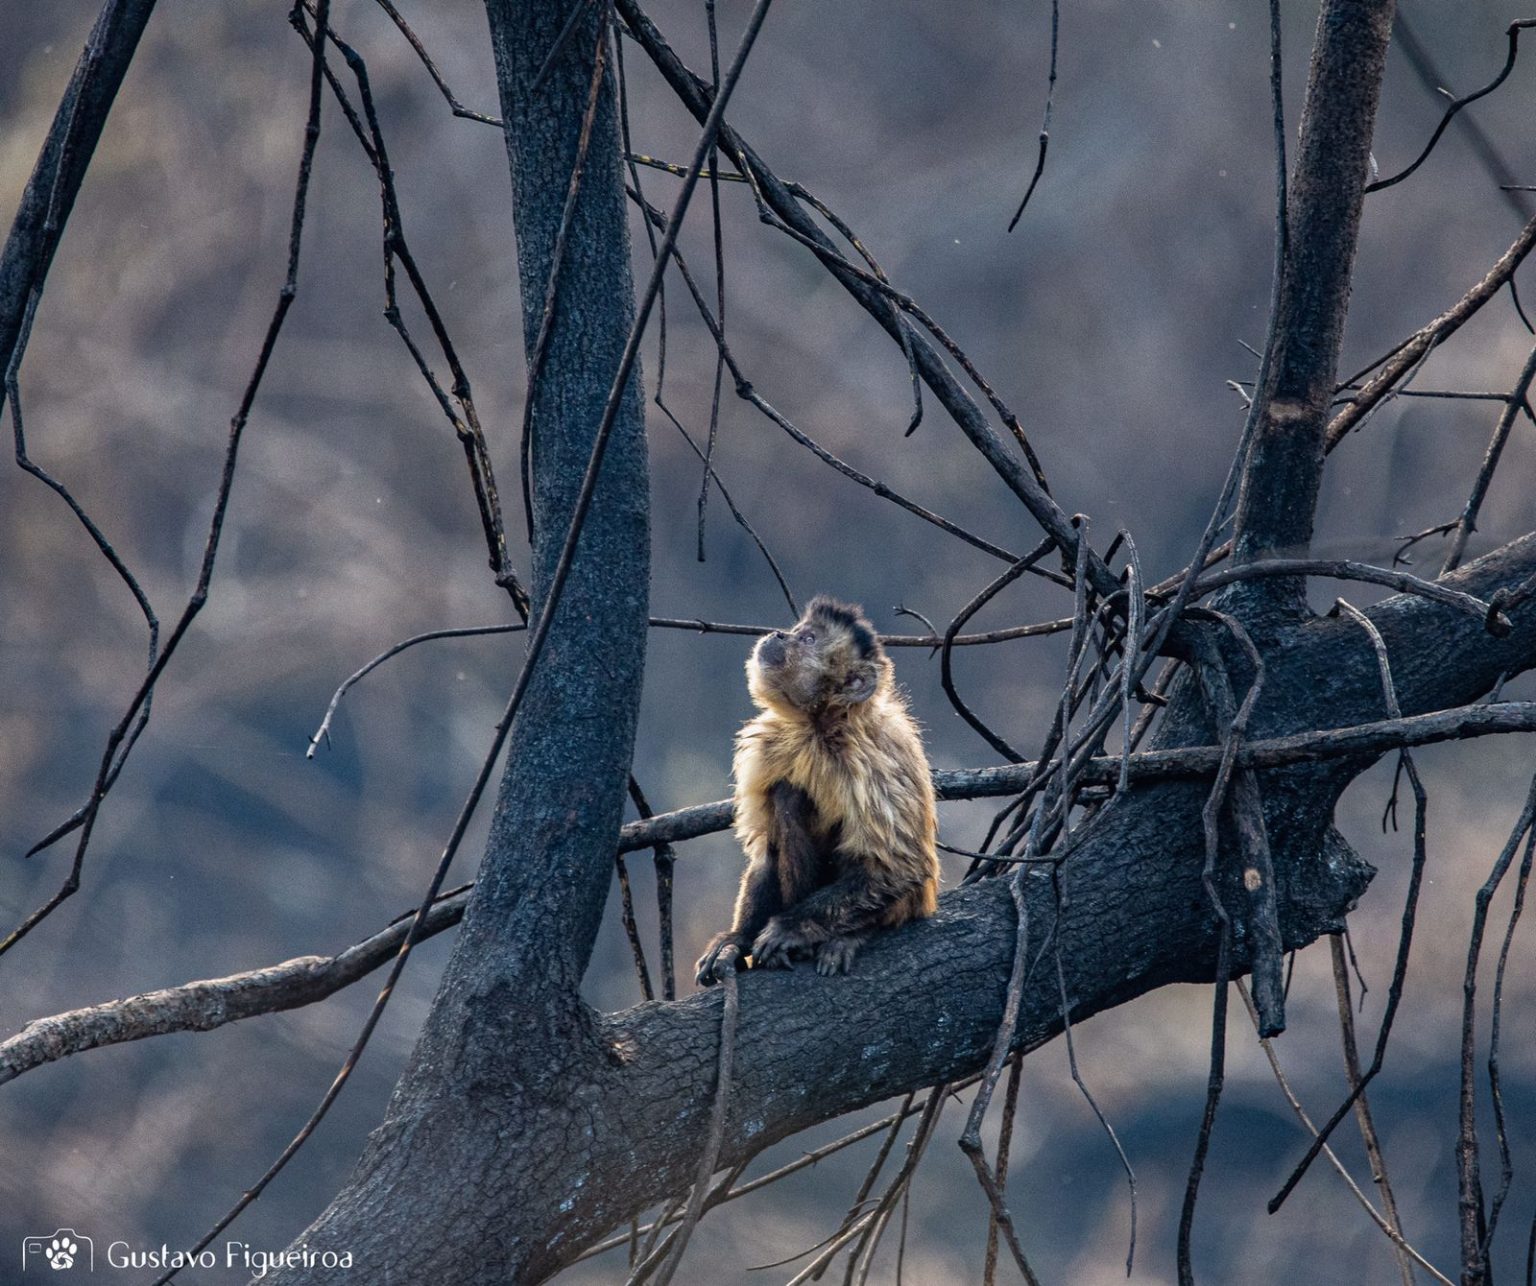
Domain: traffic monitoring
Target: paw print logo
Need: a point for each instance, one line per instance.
(66, 1249)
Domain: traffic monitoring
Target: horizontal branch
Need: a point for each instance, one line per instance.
(1353, 742)
(211, 1003)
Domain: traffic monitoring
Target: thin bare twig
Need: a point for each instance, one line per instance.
(1002, 1047)
(1363, 1117)
(1475, 1230)
(1045, 124)
(710, 1158)
(1306, 1123)
(1466, 524)
(1512, 33)
(946, 674)
(454, 105)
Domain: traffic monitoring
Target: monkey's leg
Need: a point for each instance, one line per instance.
(830, 923)
(801, 865)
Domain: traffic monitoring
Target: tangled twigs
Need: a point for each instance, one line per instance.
(119, 740)
(1409, 916)
(1305, 1121)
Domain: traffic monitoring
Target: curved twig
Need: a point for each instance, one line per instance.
(1512, 33)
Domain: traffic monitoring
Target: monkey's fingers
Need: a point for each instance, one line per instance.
(776, 946)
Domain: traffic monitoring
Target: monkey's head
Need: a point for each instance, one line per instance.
(830, 657)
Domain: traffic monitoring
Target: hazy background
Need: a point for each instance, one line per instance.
(1111, 320)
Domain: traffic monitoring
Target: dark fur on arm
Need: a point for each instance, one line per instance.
(793, 868)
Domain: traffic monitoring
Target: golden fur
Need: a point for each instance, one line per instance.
(834, 800)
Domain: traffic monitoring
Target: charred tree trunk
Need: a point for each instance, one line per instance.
(497, 1076)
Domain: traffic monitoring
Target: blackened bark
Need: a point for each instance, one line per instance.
(1279, 494)
(527, 1125)
(626, 1098)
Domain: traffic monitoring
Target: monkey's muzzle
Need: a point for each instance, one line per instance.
(771, 651)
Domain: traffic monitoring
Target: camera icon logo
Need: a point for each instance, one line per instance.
(66, 1248)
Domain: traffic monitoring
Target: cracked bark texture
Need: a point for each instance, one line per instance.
(528, 1125)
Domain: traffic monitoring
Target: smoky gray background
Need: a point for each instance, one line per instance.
(1111, 320)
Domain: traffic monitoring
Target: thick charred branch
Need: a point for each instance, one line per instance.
(509, 993)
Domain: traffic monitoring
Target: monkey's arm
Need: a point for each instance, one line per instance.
(782, 866)
(756, 902)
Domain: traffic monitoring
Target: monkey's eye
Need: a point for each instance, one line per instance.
(807, 636)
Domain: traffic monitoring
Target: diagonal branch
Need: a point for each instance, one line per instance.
(213, 1002)
(874, 296)
(61, 165)
(1407, 355)
(207, 1004)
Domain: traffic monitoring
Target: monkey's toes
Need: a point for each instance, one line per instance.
(836, 956)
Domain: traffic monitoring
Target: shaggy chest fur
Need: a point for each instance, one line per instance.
(838, 761)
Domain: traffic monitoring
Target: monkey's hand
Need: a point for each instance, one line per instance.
(723, 955)
(778, 945)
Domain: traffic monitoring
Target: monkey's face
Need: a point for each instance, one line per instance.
(830, 657)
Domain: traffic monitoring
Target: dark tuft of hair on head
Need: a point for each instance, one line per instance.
(850, 616)
(830, 610)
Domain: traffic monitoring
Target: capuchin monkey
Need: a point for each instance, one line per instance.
(834, 801)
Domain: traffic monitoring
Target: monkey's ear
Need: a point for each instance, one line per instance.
(861, 684)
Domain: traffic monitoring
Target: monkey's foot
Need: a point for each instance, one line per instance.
(778, 945)
(836, 955)
(722, 956)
